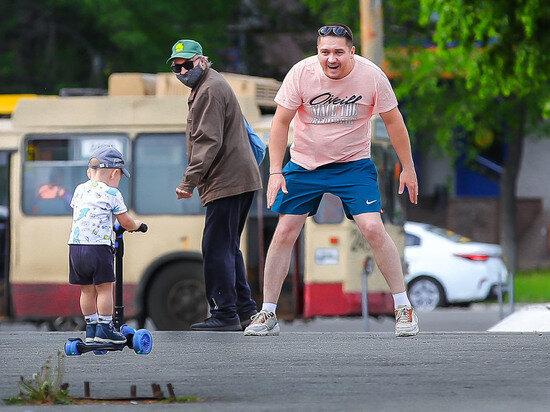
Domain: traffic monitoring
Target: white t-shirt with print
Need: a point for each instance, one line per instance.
(94, 206)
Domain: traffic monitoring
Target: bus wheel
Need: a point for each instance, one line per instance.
(66, 323)
(176, 298)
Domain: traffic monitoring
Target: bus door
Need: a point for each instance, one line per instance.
(5, 157)
(334, 252)
(261, 225)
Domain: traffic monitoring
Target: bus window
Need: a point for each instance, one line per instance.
(330, 210)
(160, 161)
(54, 165)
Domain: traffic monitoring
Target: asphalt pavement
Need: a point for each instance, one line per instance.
(328, 371)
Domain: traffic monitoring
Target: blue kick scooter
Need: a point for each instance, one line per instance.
(141, 340)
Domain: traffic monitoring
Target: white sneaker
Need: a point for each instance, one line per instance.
(406, 321)
(263, 323)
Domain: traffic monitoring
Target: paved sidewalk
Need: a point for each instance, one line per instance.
(304, 371)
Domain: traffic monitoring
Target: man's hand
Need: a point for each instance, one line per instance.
(276, 182)
(408, 178)
(182, 194)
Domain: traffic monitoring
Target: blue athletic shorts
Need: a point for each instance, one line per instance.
(91, 264)
(355, 183)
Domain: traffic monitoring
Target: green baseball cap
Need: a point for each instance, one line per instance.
(185, 49)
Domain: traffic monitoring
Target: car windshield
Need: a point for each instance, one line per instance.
(448, 234)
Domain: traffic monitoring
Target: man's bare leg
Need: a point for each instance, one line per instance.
(385, 252)
(279, 253)
(277, 262)
(388, 261)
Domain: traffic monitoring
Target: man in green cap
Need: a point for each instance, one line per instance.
(222, 166)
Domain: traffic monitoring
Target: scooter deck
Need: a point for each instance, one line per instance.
(83, 347)
(140, 341)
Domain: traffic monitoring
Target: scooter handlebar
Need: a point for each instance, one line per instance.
(119, 230)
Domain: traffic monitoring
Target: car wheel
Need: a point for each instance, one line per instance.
(426, 294)
(176, 298)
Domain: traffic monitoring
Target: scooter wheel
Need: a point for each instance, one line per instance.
(71, 348)
(142, 342)
(100, 352)
(127, 330)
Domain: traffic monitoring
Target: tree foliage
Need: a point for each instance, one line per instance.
(503, 43)
(49, 44)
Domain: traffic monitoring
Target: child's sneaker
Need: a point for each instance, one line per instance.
(106, 333)
(263, 323)
(406, 322)
(90, 331)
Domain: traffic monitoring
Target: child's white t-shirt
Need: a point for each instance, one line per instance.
(332, 119)
(94, 206)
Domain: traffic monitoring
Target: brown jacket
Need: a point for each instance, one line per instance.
(221, 162)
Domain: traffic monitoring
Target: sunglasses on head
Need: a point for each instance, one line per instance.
(188, 65)
(335, 30)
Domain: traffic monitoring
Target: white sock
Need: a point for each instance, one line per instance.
(401, 299)
(105, 319)
(270, 307)
(91, 318)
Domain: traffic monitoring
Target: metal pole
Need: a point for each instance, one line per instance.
(511, 292)
(296, 287)
(365, 294)
(365, 303)
(118, 317)
(499, 296)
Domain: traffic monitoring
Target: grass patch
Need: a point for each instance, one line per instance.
(532, 286)
(44, 387)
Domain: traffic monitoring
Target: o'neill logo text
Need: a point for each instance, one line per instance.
(327, 108)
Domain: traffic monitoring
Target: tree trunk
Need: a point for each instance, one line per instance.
(508, 183)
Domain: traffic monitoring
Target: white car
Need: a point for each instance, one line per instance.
(445, 268)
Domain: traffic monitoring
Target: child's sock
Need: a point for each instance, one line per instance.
(270, 307)
(91, 318)
(105, 319)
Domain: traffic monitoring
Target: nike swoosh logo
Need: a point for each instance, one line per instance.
(370, 202)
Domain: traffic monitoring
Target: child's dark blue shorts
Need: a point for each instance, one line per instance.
(91, 264)
(355, 183)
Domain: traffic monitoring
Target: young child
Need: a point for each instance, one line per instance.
(96, 203)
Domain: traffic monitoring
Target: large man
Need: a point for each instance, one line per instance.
(222, 167)
(331, 98)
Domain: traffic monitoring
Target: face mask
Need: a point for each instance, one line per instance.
(192, 77)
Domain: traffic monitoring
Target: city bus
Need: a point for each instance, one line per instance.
(44, 149)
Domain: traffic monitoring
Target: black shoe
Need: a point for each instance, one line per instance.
(246, 318)
(218, 325)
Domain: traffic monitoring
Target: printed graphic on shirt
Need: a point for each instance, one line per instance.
(94, 206)
(327, 108)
